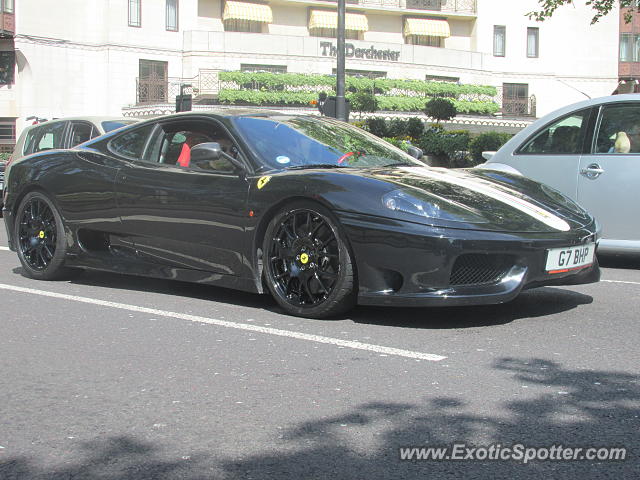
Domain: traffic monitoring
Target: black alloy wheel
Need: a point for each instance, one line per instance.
(307, 263)
(40, 238)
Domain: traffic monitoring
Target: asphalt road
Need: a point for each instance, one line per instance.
(116, 377)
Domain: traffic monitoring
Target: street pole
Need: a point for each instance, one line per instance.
(340, 101)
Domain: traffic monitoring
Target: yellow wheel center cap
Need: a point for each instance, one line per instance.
(304, 258)
(41, 234)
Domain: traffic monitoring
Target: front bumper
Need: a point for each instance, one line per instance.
(409, 264)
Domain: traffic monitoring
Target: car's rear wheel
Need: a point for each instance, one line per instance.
(307, 262)
(39, 233)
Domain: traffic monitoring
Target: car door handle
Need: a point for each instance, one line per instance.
(592, 171)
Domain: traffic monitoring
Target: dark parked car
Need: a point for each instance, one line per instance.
(320, 213)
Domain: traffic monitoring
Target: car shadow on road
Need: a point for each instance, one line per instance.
(169, 287)
(534, 303)
(571, 407)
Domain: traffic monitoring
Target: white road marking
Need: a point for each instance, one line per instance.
(240, 326)
(621, 281)
(5, 248)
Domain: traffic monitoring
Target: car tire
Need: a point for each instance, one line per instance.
(307, 262)
(40, 238)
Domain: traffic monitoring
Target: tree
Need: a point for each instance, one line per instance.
(440, 109)
(600, 7)
(362, 102)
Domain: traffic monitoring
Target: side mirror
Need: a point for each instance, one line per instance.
(203, 152)
(415, 152)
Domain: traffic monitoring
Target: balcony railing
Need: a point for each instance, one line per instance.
(443, 6)
(155, 90)
(517, 107)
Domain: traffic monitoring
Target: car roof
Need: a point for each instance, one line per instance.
(624, 98)
(90, 118)
(95, 119)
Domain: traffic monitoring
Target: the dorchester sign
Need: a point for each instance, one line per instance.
(329, 49)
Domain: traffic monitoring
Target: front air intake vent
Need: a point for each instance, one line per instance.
(480, 269)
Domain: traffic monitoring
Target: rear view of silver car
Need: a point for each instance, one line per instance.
(589, 151)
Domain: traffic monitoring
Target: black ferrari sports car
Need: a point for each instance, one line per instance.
(319, 213)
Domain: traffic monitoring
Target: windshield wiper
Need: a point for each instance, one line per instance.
(400, 164)
(317, 165)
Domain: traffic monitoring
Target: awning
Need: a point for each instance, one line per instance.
(255, 12)
(329, 19)
(426, 27)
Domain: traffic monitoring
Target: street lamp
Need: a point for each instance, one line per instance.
(340, 100)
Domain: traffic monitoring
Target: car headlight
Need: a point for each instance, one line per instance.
(401, 201)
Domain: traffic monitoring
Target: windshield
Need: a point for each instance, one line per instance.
(113, 124)
(304, 142)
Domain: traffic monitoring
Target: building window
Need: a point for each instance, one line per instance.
(7, 6)
(246, 16)
(441, 78)
(7, 134)
(134, 13)
(363, 73)
(499, 40)
(153, 82)
(333, 33)
(7, 67)
(250, 67)
(172, 15)
(533, 34)
(241, 25)
(629, 47)
(424, 40)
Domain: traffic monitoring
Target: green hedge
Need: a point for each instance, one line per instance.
(490, 141)
(257, 97)
(379, 85)
(408, 95)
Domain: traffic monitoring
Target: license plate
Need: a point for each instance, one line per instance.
(570, 258)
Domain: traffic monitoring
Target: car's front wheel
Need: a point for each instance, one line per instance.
(307, 263)
(40, 238)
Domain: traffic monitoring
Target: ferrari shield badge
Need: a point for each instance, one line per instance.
(262, 181)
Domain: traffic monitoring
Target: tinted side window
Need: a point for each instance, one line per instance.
(49, 136)
(80, 133)
(174, 142)
(30, 141)
(132, 143)
(618, 129)
(563, 136)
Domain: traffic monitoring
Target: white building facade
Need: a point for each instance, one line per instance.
(114, 57)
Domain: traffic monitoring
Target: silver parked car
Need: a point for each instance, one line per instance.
(65, 133)
(590, 151)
